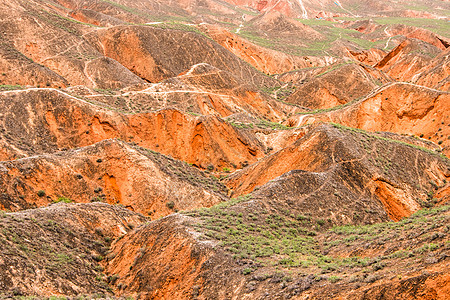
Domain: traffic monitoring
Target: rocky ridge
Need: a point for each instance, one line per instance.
(224, 149)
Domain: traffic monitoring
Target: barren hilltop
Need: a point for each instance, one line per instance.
(224, 149)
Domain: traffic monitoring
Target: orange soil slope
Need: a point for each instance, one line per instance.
(63, 121)
(398, 107)
(110, 171)
(325, 148)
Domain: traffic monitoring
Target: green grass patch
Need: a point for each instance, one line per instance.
(325, 110)
(174, 25)
(438, 26)
(64, 200)
(8, 87)
(257, 39)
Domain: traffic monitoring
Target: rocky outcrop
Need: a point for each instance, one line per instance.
(407, 59)
(202, 90)
(370, 57)
(177, 51)
(54, 52)
(146, 152)
(110, 171)
(56, 250)
(237, 238)
(63, 121)
(436, 74)
(399, 107)
(337, 150)
(336, 86)
(17, 69)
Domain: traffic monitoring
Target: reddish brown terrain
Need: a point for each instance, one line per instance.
(224, 149)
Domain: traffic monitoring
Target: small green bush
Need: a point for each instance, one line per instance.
(247, 271)
(334, 278)
(64, 199)
(170, 204)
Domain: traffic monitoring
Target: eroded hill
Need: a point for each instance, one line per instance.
(224, 149)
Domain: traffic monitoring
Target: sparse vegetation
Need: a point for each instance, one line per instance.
(316, 221)
(175, 25)
(366, 133)
(170, 204)
(290, 241)
(64, 200)
(8, 87)
(334, 108)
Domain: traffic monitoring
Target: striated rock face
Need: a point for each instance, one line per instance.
(107, 73)
(420, 34)
(58, 51)
(110, 171)
(17, 69)
(399, 108)
(213, 91)
(437, 73)
(53, 51)
(186, 271)
(63, 121)
(160, 149)
(133, 47)
(336, 86)
(202, 254)
(370, 57)
(237, 233)
(202, 90)
(376, 31)
(404, 62)
(332, 152)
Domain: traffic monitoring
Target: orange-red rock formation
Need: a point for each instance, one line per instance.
(177, 51)
(398, 107)
(110, 171)
(264, 59)
(63, 121)
(323, 149)
(338, 85)
(407, 59)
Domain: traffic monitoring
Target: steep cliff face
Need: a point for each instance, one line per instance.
(160, 149)
(110, 171)
(398, 107)
(178, 50)
(63, 121)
